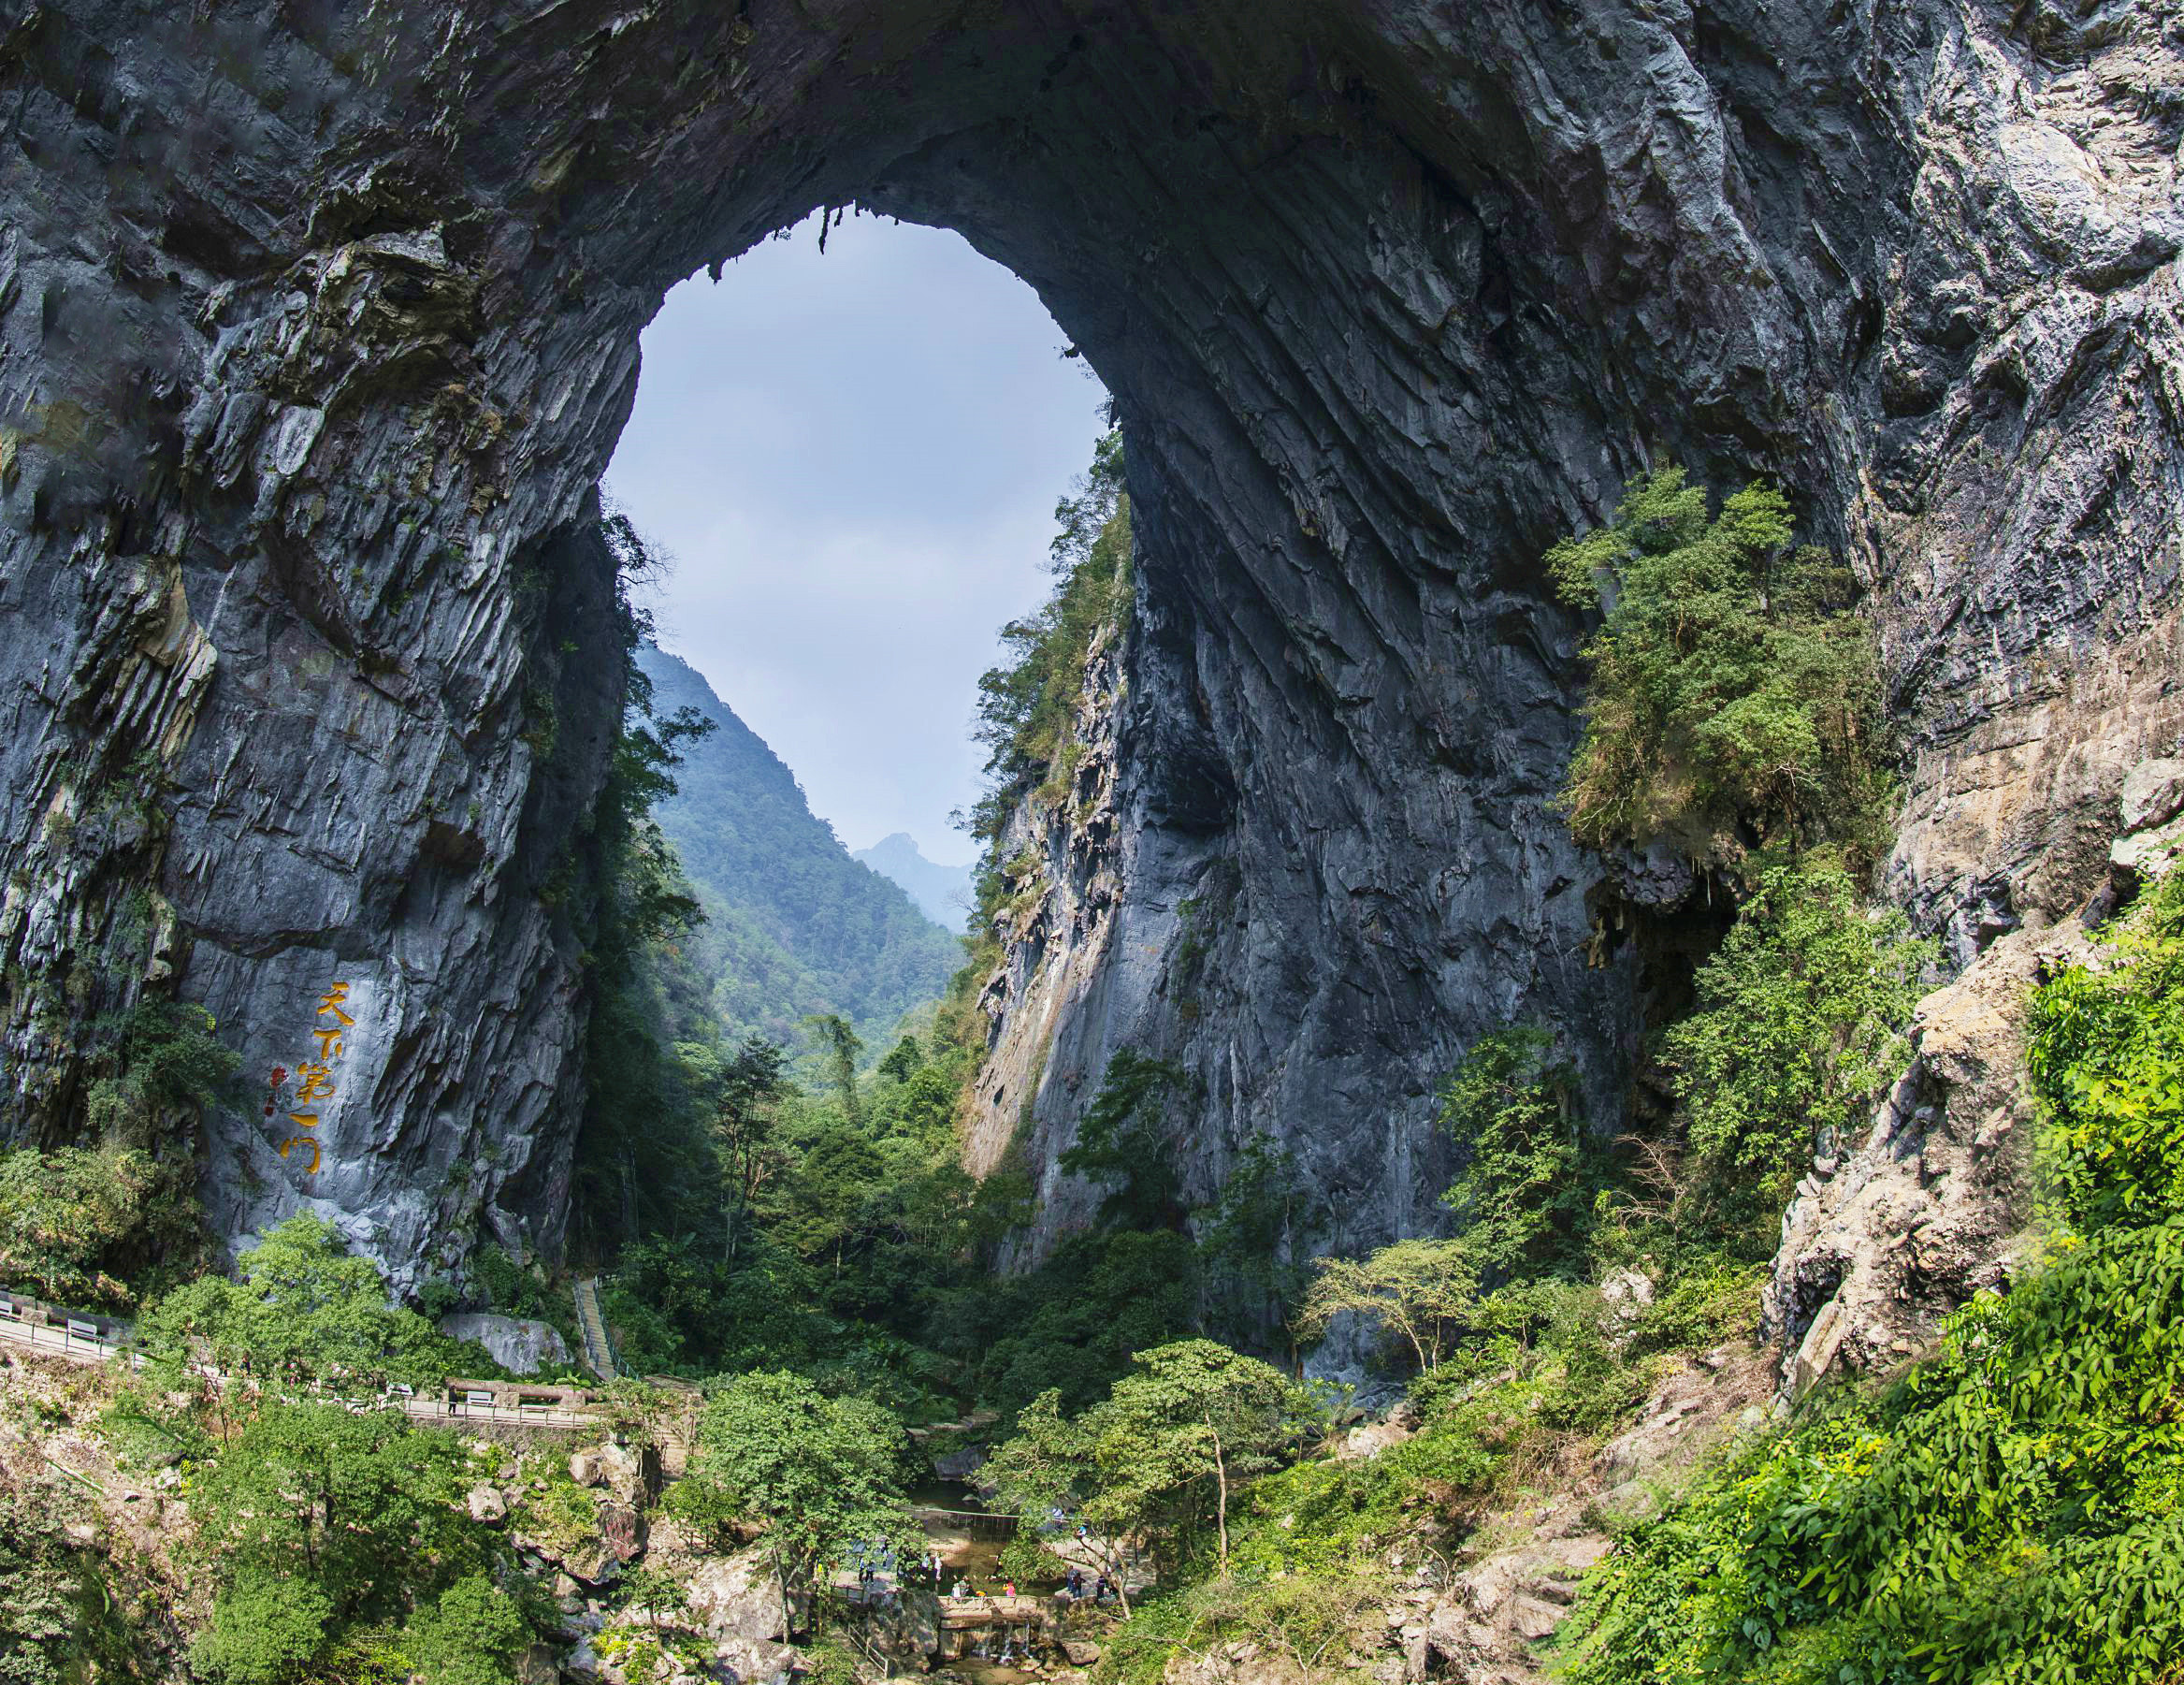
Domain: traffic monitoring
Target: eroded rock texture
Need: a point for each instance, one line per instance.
(320, 321)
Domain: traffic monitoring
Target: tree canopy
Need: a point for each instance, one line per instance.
(824, 1475)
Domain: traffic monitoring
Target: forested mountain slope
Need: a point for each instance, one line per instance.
(793, 925)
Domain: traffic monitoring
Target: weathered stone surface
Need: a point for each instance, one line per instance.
(487, 1504)
(736, 1597)
(318, 325)
(520, 1345)
(1929, 1208)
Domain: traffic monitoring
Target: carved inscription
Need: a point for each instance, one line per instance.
(313, 1077)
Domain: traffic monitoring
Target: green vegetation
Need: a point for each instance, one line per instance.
(63, 1212)
(59, 1620)
(1161, 1457)
(794, 927)
(299, 1307)
(165, 1067)
(1798, 1031)
(1525, 1195)
(1735, 700)
(1028, 709)
(2014, 1508)
(825, 1475)
(335, 1542)
(81, 1223)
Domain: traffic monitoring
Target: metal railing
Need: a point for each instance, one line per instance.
(442, 1408)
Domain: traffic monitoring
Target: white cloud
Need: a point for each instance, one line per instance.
(855, 459)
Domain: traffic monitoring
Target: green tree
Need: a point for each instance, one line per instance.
(838, 1047)
(470, 1635)
(1049, 1466)
(350, 1518)
(302, 1305)
(1799, 1027)
(824, 1475)
(60, 1213)
(168, 1063)
(1122, 1141)
(1247, 1242)
(264, 1630)
(1161, 1457)
(1525, 1193)
(1732, 692)
(1427, 1291)
(1176, 1435)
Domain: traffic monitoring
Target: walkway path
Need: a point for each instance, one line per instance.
(456, 1405)
(591, 1327)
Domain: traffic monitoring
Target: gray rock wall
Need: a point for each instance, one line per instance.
(317, 325)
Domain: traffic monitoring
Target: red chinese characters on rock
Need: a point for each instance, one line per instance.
(314, 1075)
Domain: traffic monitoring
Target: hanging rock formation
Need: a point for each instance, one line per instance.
(317, 325)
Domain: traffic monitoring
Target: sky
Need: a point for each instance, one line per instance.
(853, 459)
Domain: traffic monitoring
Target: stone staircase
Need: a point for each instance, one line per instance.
(591, 1324)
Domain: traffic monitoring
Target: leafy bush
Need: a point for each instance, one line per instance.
(1732, 695)
(167, 1060)
(2013, 1509)
(1525, 1193)
(1122, 1142)
(2107, 1062)
(62, 1214)
(58, 1621)
(1799, 1029)
(321, 1525)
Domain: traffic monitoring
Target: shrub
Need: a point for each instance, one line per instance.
(1525, 1193)
(1732, 693)
(62, 1213)
(1799, 1029)
(2013, 1509)
(2107, 1061)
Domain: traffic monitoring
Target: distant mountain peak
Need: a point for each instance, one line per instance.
(942, 892)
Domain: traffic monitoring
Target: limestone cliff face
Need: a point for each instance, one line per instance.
(317, 325)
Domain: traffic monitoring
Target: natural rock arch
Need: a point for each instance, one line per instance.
(320, 323)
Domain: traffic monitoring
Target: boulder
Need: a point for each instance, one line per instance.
(1370, 1438)
(735, 1597)
(622, 1471)
(519, 1345)
(488, 1506)
(622, 1529)
(757, 1660)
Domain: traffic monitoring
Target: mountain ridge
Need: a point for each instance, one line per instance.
(942, 893)
(795, 926)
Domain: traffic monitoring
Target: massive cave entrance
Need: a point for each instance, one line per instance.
(1387, 297)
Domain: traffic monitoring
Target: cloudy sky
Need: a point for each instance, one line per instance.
(854, 460)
